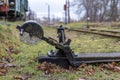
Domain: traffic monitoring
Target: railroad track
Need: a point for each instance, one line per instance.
(108, 33)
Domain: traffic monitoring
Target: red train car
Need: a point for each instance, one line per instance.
(4, 7)
(13, 8)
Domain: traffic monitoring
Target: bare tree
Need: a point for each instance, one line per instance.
(98, 10)
(103, 10)
(114, 10)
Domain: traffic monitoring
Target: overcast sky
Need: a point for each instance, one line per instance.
(56, 8)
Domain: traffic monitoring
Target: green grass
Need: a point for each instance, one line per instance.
(95, 44)
(26, 62)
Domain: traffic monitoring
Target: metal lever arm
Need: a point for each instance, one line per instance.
(66, 49)
(53, 43)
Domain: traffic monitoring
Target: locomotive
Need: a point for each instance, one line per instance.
(13, 8)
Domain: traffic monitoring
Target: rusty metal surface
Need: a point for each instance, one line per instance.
(97, 32)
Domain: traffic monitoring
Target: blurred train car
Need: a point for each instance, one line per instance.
(13, 8)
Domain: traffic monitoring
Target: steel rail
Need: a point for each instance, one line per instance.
(99, 32)
(111, 31)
